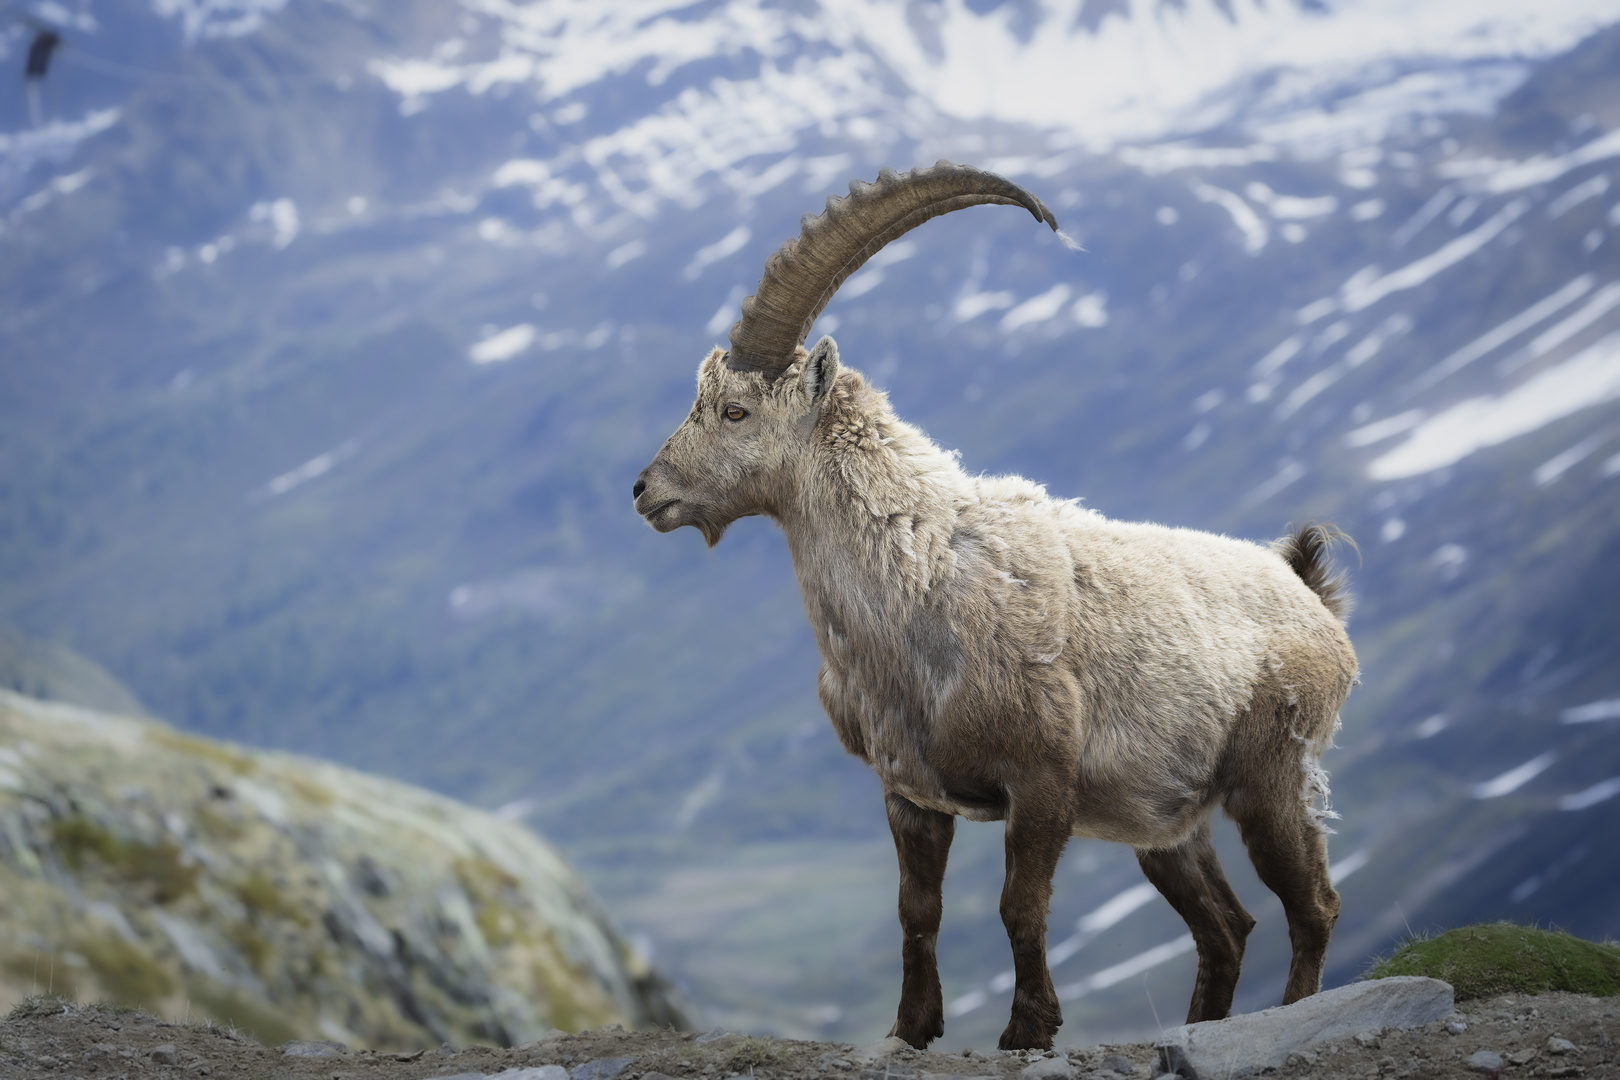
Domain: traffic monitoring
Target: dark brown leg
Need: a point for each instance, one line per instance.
(1290, 855)
(922, 840)
(1035, 842)
(1190, 878)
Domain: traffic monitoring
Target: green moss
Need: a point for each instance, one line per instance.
(160, 866)
(562, 1010)
(78, 836)
(264, 900)
(219, 754)
(1502, 958)
(486, 885)
(126, 973)
(252, 944)
(217, 825)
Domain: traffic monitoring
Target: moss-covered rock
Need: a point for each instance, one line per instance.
(1502, 958)
(291, 897)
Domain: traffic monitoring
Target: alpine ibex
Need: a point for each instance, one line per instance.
(1002, 655)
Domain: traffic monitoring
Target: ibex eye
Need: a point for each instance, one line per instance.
(735, 412)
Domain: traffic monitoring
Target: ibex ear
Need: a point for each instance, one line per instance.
(820, 370)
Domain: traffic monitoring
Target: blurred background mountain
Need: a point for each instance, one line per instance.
(334, 334)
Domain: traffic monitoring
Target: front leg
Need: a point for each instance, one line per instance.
(1036, 836)
(922, 840)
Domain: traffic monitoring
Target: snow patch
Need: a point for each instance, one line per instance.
(1125, 969)
(1592, 712)
(503, 344)
(217, 18)
(1379, 430)
(1347, 866)
(1590, 378)
(1358, 295)
(1499, 177)
(1599, 792)
(1556, 466)
(312, 469)
(723, 248)
(1255, 233)
(1515, 778)
(1501, 334)
(1037, 309)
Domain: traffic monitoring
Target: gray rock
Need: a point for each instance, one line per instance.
(1118, 1063)
(463, 1076)
(883, 1049)
(1052, 1068)
(1522, 1057)
(1368, 1040)
(323, 1048)
(164, 1055)
(1241, 1045)
(537, 1072)
(655, 1076)
(715, 1036)
(1555, 1045)
(1457, 1027)
(600, 1069)
(1485, 1061)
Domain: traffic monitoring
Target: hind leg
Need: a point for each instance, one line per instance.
(1190, 877)
(1289, 852)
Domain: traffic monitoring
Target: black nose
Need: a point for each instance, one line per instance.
(641, 485)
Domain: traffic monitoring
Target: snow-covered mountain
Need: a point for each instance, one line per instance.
(335, 333)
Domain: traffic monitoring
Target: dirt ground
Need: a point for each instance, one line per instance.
(51, 1039)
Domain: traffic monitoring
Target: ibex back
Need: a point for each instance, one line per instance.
(994, 653)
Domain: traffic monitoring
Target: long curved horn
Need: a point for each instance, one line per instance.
(804, 273)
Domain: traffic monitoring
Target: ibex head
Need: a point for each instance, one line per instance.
(758, 404)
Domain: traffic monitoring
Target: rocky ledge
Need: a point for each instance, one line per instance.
(291, 898)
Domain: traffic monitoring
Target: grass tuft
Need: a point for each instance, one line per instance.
(1504, 958)
(40, 1005)
(750, 1053)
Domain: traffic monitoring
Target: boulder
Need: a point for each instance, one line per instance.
(1052, 1068)
(1242, 1045)
(600, 1069)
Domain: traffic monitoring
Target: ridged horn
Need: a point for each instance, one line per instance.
(804, 273)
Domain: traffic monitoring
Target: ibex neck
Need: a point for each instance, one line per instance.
(875, 507)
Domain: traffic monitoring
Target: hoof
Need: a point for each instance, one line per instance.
(919, 1034)
(1032, 1027)
(1026, 1037)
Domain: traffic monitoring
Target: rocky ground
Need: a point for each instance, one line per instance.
(1557, 1036)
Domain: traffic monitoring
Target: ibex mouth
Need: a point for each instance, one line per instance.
(653, 511)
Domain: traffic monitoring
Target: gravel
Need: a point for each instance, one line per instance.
(1546, 1037)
